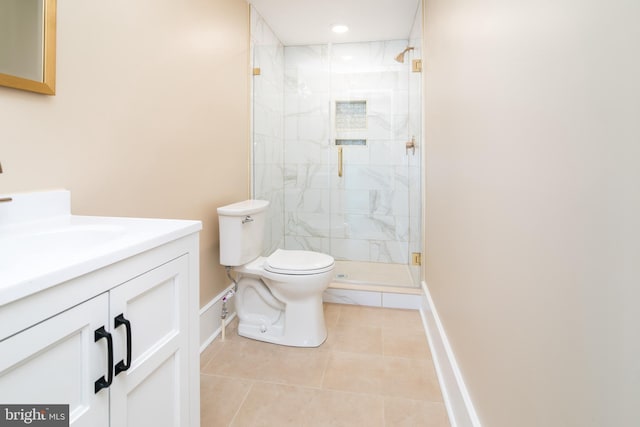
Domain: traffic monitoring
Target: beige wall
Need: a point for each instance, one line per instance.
(533, 205)
(150, 118)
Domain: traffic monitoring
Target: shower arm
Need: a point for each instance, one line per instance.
(400, 57)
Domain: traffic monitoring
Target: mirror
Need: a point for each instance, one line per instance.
(28, 45)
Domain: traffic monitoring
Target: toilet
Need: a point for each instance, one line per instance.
(279, 297)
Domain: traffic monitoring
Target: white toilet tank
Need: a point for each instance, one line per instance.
(242, 231)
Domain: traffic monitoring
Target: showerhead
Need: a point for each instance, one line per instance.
(400, 57)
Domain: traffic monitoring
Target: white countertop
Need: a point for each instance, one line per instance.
(42, 249)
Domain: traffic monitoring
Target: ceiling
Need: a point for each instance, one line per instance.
(303, 22)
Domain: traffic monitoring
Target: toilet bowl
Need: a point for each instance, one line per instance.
(279, 297)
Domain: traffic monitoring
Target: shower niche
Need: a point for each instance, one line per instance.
(330, 127)
(350, 122)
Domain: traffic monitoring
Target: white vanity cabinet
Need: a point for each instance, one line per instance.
(118, 344)
(57, 361)
(153, 390)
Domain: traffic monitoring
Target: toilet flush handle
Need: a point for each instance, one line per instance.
(247, 219)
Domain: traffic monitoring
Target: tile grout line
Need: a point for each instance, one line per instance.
(244, 399)
(382, 395)
(213, 356)
(324, 371)
(385, 329)
(330, 351)
(384, 414)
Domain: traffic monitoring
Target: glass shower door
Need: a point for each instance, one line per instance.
(369, 230)
(330, 125)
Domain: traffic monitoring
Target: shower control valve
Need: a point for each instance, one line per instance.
(411, 145)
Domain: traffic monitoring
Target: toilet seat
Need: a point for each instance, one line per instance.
(296, 262)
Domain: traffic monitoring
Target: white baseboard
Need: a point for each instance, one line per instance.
(456, 397)
(210, 321)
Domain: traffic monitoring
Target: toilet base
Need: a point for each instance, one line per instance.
(254, 332)
(282, 312)
(306, 329)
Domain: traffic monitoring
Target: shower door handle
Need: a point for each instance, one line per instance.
(340, 161)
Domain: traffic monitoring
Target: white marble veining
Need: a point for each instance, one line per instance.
(366, 211)
(351, 249)
(307, 151)
(318, 244)
(268, 127)
(389, 252)
(309, 225)
(363, 215)
(312, 200)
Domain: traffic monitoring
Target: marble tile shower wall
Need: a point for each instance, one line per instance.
(307, 192)
(268, 126)
(363, 215)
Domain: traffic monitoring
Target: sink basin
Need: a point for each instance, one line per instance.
(53, 242)
(28, 252)
(43, 245)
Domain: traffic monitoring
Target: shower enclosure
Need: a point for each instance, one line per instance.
(336, 136)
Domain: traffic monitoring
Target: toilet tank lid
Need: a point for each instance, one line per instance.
(246, 207)
(293, 260)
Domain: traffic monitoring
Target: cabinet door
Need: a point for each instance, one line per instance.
(58, 362)
(153, 391)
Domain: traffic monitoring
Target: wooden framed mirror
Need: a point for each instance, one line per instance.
(28, 45)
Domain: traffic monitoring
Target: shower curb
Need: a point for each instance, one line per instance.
(372, 298)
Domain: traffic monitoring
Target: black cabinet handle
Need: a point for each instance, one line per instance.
(120, 320)
(99, 334)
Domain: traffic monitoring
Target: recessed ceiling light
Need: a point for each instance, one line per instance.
(339, 28)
